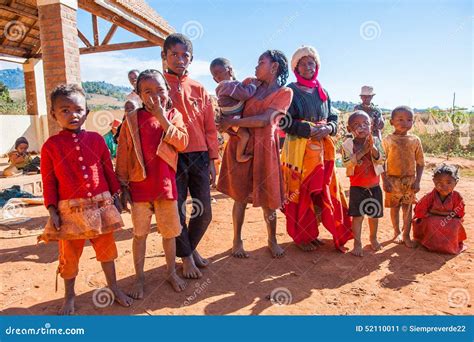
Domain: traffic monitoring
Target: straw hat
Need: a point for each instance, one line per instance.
(367, 91)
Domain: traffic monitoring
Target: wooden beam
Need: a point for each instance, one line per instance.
(27, 32)
(19, 12)
(116, 47)
(109, 35)
(92, 7)
(83, 38)
(14, 51)
(95, 28)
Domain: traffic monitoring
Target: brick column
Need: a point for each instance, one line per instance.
(30, 86)
(60, 49)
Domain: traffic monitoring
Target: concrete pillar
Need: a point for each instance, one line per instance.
(60, 49)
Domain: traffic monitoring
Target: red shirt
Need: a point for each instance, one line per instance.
(160, 182)
(364, 173)
(76, 166)
(192, 100)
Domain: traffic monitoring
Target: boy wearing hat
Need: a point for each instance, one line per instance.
(366, 95)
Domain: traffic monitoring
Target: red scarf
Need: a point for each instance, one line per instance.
(312, 83)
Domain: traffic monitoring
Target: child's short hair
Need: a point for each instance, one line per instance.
(177, 38)
(21, 140)
(220, 61)
(356, 114)
(445, 169)
(65, 90)
(132, 102)
(405, 109)
(133, 71)
(152, 73)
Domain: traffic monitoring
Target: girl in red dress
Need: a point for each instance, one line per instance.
(437, 224)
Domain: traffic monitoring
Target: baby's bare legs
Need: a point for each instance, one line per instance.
(270, 217)
(169, 246)
(356, 231)
(244, 135)
(139, 249)
(238, 215)
(111, 278)
(374, 225)
(407, 214)
(69, 296)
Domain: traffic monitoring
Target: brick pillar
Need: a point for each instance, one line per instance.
(30, 86)
(60, 49)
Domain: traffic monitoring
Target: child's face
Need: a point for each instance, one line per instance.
(359, 126)
(154, 88)
(22, 148)
(402, 122)
(221, 73)
(263, 70)
(178, 58)
(444, 184)
(70, 111)
(306, 67)
(129, 106)
(132, 78)
(366, 99)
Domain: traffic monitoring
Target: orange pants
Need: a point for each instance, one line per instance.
(70, 252)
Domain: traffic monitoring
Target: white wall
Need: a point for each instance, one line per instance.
(35, 128)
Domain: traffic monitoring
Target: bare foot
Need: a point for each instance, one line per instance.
(190, 270)
(238, 250)
(176, 282)
(409, 242)
(68, 307)
(199, 260)
(342, 249)
(137, 291)
(306, 247)
(376, 246)
(122, 298)
(244, 158)
(463, 247)
(318, 242)
(398, 238)
(357, 250)
(275, 249)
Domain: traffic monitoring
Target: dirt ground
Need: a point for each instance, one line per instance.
(395, 280)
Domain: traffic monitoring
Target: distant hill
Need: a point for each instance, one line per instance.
(12, 78)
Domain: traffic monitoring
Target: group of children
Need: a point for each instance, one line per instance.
(166, 149)
(398, 159)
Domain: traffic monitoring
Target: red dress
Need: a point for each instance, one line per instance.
(443, 234)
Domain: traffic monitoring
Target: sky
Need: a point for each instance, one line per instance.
(416, 53)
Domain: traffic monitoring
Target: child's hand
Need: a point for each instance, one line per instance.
(55, 219)
(212, 173)
(154, 107)
(387, 186)
(256, 82)
(416, 186)
(125, 198)
(118, 204)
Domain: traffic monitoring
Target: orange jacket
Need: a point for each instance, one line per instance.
(192, 100)
(130, 166)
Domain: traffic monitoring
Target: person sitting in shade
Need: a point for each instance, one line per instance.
(375, 114)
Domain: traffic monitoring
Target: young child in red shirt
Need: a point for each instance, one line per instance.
(364, 158)
(80, 192)
(147, 159)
